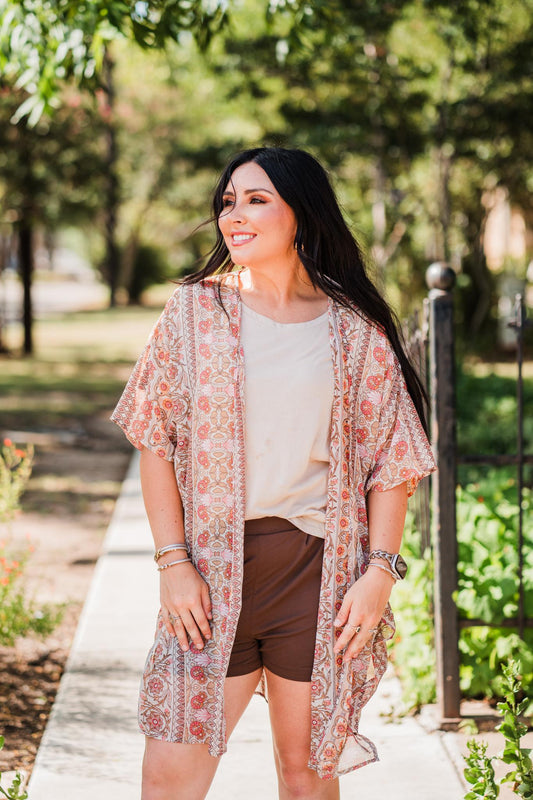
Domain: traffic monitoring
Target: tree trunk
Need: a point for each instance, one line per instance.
(3, 320)
(25, 232)
(111, 263)
(444, 200)
(444, 153)
(129, 256)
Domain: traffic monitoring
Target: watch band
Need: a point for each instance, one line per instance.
(382, 554)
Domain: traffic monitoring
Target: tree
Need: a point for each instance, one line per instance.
(419, 106)
(175, 130)
(45, 42)
(49, 174)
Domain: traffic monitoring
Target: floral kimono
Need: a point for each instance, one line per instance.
(184, 402)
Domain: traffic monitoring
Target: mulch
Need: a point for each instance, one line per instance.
(27, 692)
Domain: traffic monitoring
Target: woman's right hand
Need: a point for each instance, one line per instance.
(186, 605)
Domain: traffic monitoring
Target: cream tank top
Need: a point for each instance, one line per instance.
(288, 403)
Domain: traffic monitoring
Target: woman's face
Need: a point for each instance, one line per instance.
(257, 224)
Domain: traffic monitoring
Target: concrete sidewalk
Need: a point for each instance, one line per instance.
(92, 747)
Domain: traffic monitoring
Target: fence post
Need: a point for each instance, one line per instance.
(440, 279)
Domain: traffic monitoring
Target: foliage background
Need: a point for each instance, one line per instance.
(421, 109)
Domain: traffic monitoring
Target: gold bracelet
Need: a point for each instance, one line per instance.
(385, 569)
(168, 548)
(173, 564)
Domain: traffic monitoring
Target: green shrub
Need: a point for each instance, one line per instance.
(487, 419)
(487, 514)
(413, 647)
(479, 771)
(18, 614)
(15, 471)
(149, 267)
(487, 531)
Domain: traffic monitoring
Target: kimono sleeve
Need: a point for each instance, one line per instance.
(401, 451)
(154, 401)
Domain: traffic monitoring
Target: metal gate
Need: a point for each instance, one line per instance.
(431, 341)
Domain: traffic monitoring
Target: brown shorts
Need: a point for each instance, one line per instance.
(281, 588)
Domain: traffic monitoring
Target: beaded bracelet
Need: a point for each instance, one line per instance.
(384, 568)
(173, 564)
(168, 549)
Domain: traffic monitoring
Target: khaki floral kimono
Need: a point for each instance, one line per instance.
(184, 401)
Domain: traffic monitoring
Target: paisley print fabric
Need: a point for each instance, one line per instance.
(184, 401)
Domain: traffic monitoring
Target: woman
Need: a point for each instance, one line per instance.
(280, 428)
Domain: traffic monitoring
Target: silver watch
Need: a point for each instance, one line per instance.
(396, 562)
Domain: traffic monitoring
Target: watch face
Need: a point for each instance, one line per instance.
(399, 566)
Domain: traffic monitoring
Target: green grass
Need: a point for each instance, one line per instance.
(108, 336)
(60, 400)
(81, 364)
(487, 415)
(487, 411)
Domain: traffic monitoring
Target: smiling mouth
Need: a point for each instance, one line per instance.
(241, 238)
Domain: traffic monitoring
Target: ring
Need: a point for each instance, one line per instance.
(373, 630)
(174, 617)
(356, 628)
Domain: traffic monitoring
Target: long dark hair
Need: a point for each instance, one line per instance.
(325, 245)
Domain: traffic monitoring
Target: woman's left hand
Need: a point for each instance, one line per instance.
(361, 611)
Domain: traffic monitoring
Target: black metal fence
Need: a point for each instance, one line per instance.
(430, 339)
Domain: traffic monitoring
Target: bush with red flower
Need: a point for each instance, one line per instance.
(15, 471)
(19, 615)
